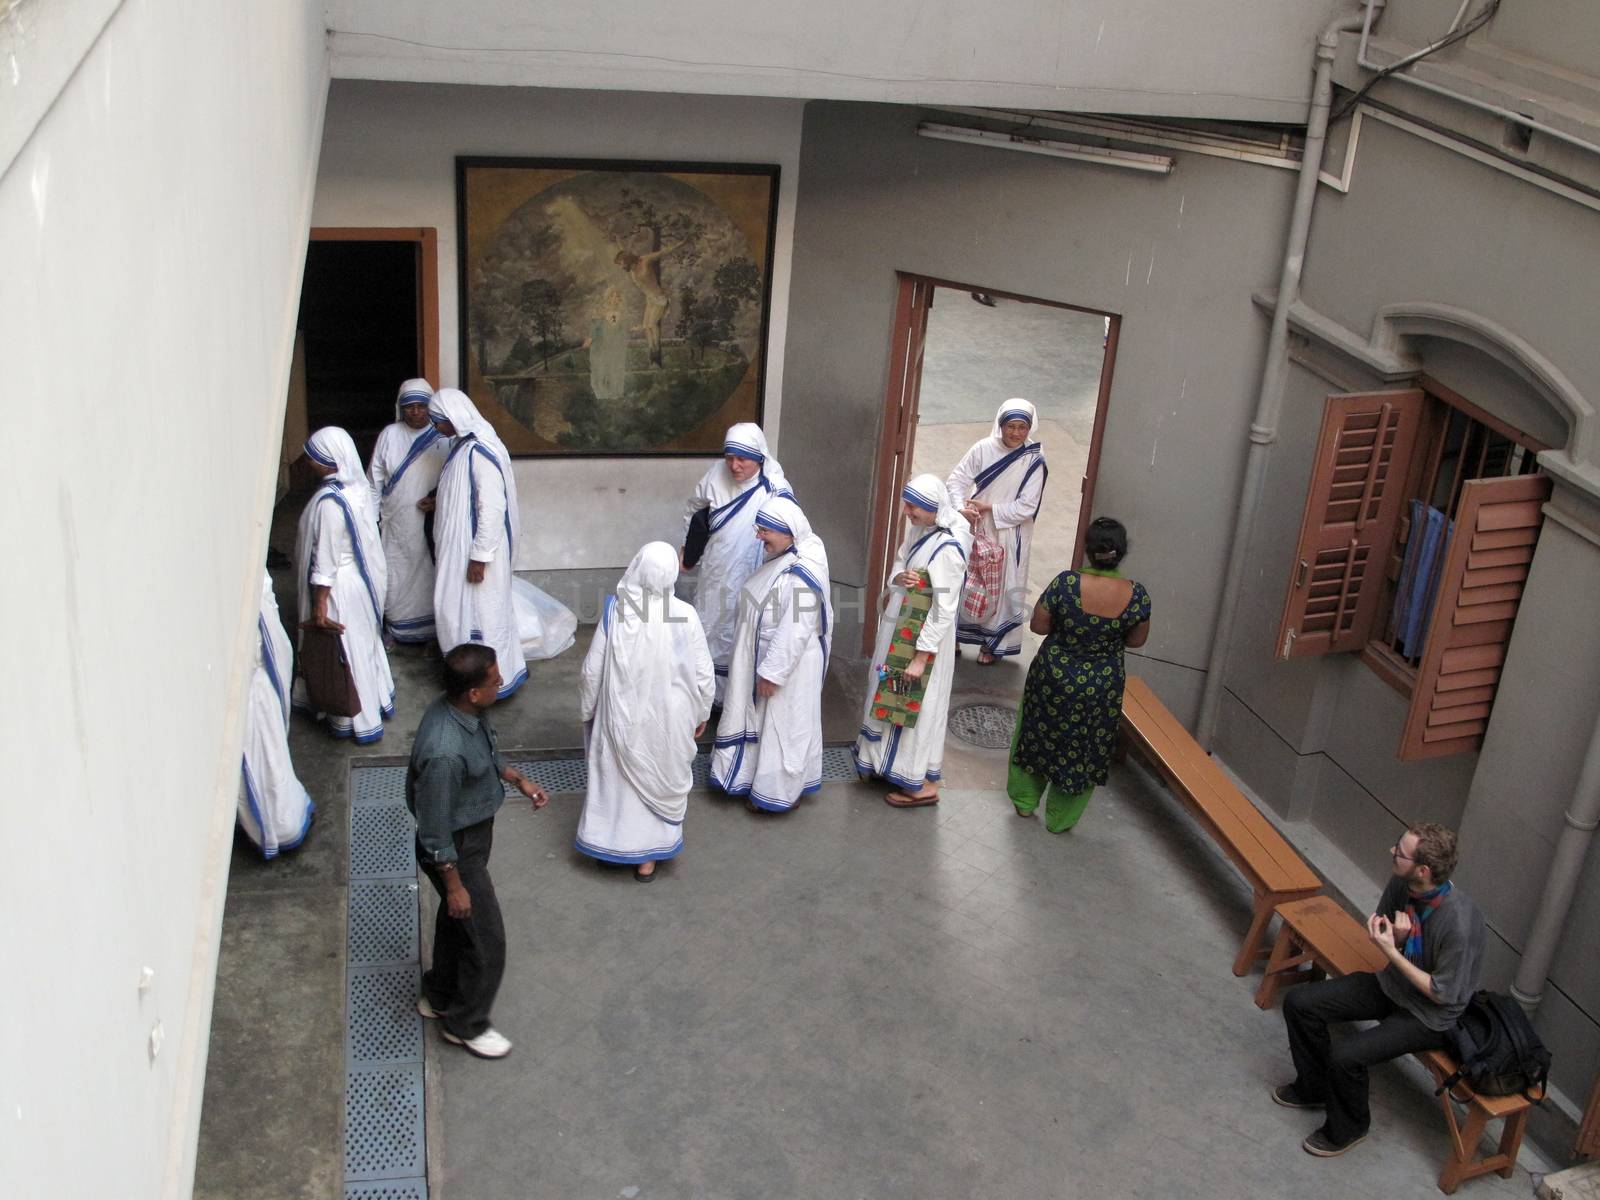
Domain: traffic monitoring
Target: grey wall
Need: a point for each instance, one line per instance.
(1318, 738)
(1176, 256)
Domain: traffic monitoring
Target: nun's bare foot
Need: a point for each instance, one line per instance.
(985, 658)
(644, 871)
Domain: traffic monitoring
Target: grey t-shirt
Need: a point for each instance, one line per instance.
(1452, 953)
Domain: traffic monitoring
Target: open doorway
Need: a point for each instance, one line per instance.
(959, 353)
(368, 322)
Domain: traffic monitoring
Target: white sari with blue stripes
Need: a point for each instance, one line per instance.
(405, 467)
(912, 758)
(770, 750)
(472, 524)
(274, 809)
(338, 549)
(1013, 482)
(647, 684)
(732, 554)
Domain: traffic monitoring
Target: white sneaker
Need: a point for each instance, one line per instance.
(488, 1044)
(425, 1010)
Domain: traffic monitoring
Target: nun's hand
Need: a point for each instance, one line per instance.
(476, 570)
(425, 504)
(765, 688)
(978, 506)
(906, 579)
(699, 730)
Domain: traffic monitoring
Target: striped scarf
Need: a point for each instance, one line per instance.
(1419, 910)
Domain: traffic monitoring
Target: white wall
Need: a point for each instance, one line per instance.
(1227, 59)
(152, 227)
(388, 159)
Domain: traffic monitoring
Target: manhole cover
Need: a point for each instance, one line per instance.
(986, 725)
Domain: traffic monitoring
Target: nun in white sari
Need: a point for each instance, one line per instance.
(342, 577)
(999, 487)
(405, 467)
(936, 541)
(733, 490)
(647, 690)
(769, 741)
(476, 525)
(274, 810)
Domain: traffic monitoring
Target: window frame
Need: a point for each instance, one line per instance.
(1378, 655)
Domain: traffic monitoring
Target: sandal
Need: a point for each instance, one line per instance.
(901, 800)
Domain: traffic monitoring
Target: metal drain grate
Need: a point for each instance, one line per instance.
(378, 785)
(383, 1026)
(383, 922)
(837, 765)
(400, 1189)
(557, 774)
(986, 725)
(383, 1124)
(381, 841)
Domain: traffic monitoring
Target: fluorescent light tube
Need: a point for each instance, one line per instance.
(1159, 164)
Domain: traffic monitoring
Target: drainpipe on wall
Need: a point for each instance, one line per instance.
(1566, 865)
(1269, 399)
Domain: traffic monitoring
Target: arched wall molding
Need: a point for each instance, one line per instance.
(1390, 353)
(1397, 325)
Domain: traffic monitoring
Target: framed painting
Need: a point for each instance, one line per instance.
(614, 308)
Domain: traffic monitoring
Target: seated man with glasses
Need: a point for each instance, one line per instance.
(1432, 935)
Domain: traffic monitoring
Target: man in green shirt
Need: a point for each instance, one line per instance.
(453, 788)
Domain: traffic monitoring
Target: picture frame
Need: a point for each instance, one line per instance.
(614, 307)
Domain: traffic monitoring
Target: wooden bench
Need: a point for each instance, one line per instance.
(1317, 938)
(1275, 871)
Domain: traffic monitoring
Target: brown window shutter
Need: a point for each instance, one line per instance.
(1485, 569)
(1356, 495)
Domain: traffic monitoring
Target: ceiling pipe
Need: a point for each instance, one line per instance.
(1274, 367)
(1561, 881)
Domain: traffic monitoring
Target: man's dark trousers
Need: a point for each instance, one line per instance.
(1334, 1072)
(469, 955)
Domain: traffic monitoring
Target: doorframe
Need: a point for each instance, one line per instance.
(898, 424)
(427, 243)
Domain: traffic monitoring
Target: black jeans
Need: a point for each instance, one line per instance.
(469, 955)
(1334, 1071)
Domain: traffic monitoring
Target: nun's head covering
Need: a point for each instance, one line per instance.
(653, 570)
(412, 391)
(452, 405)
(784, 515)
(1014, 410)
(331, 446)
(928, 493)
(747, 441)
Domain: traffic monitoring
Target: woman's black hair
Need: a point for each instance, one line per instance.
(1106, 543)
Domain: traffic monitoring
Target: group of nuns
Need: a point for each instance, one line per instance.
(754, 643)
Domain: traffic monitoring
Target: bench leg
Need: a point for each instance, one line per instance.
(1273, 980)
(1511, 1142)
(1251, 949)
(1465, 1161)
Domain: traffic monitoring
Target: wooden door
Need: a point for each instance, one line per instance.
(895, 440)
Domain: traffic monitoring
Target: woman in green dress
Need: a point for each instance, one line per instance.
(1072, 700)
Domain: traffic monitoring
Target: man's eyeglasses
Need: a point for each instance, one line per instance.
(1394, 852)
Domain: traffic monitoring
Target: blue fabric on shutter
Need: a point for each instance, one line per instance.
(1419, 577)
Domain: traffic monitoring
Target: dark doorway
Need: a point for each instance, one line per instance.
(360, 316)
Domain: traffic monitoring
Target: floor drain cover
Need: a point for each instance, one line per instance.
(986, 725)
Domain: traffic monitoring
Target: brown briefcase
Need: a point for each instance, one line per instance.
(330, 686)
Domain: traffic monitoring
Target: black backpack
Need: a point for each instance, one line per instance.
(1497, 1050)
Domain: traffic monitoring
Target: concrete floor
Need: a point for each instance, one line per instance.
(849, 1001)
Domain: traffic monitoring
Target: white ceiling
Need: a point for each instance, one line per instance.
(1228, 59)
